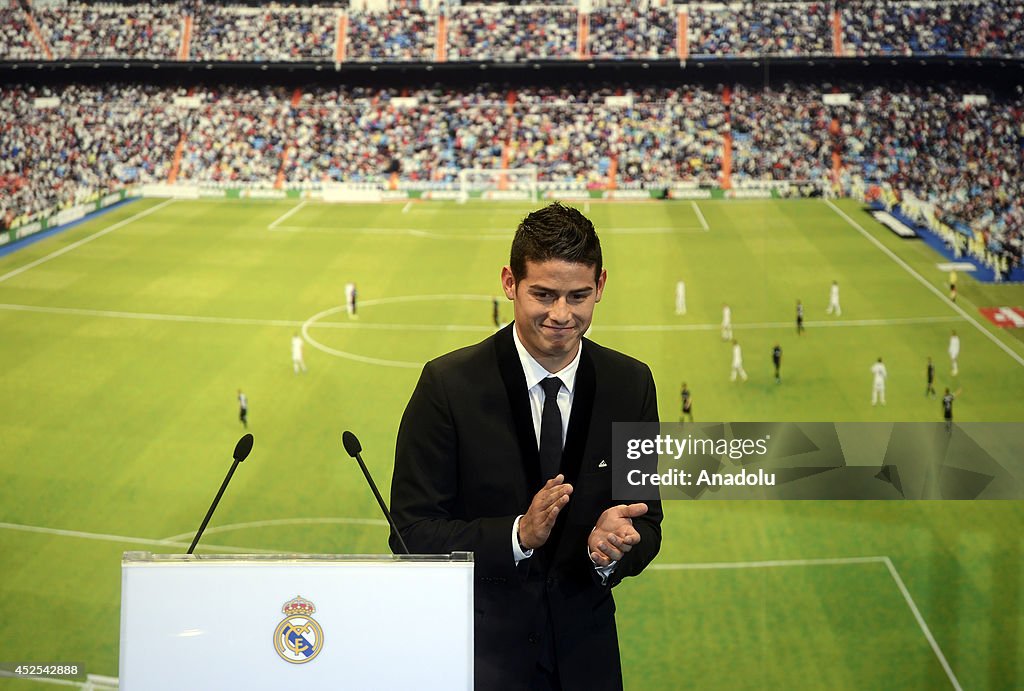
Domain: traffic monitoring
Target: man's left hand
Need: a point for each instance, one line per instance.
(614, 534)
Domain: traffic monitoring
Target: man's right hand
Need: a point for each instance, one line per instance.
(536, 524)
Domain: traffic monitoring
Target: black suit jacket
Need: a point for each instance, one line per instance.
(466, 464)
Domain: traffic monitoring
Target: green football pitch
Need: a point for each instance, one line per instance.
(126, 339)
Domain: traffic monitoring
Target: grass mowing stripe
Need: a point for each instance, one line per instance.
(284, 521)
(104, 537)
(292, 323)
(712, 566)
(88, 238)
(57, 682)
(151, 316)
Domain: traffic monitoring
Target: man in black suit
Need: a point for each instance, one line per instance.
(505, 450)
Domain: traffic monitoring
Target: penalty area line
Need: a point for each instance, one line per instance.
(839, 561)
(700, 217)
(286, 215)
(920, 622)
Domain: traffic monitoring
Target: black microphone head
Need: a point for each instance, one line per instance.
(351, 444)
(243, 448)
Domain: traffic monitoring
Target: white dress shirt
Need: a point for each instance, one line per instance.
(535, 372)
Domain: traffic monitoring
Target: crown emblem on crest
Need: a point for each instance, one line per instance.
(298, 606)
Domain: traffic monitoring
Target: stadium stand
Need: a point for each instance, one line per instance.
(780, 134)
(959, 152)
(17, 41)
(264, 34)
(872, 27)
(629, 31)
(135, 31)
(237, 136)
(428, 31)
(63, 147)
(947, 156)
(400, 34)
(513, 34)
(758, 29)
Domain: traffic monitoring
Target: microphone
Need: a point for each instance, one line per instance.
(242, 450)
(353, 448)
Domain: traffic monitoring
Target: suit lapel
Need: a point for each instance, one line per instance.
(579, 420)
(519, 401)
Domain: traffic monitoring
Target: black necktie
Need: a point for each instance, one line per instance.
(550, 429)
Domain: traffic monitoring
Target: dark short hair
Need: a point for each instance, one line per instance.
(555, 232)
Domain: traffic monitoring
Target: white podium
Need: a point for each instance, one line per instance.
(296, 621)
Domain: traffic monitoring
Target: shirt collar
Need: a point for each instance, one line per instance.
(535, 371)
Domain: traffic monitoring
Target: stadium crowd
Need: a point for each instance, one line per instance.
(512, 34)
(237, 135)
(570, 135)
(136, 31)
(16, 40)
(781, 134)
(650, 135)
(408, 30)
(986, 28)
(399, 35)
(263, 34)
(629, 31)
(752, 29)
(428, 135)
(963, 155)
(957, 149)
(63, 147)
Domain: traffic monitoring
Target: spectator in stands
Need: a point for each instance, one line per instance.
(133, 31)
(987, 28)
(71, 146)
(16, 39)
(780, 135)
(948, 154)
(400, 34)
(628, 31)
(512, 34)
(751, 29)
(264, 34)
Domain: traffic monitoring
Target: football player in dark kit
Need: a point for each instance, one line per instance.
(777, 361)
(687, 401)
(947, 408)
(930, 373)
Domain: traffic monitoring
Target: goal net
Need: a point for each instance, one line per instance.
(492, 184)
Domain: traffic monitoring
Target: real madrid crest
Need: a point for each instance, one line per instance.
(298, 638)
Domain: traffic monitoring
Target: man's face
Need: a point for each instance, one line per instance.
(553, 306)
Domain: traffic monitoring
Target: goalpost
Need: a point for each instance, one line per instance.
(493, 184)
